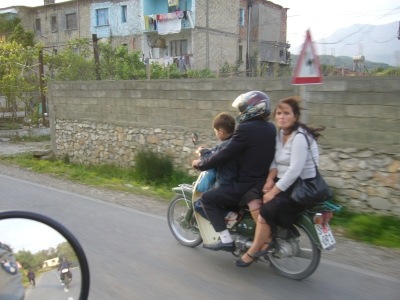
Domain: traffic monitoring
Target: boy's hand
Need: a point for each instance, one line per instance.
(195, 163)
(199, 150)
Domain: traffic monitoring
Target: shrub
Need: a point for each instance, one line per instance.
(376, 229)
(152, 167)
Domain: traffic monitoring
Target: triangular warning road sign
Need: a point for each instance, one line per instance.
(308, 70)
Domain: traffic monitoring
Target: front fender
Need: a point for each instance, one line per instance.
(186, 190)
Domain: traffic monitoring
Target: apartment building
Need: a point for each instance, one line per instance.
(194, 34)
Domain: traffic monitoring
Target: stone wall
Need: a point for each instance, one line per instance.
(108, 121)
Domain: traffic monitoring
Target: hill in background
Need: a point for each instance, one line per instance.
(345, 62)
(377, 43)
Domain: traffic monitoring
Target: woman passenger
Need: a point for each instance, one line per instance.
(293, 158)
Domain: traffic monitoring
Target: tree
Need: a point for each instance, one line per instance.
(118, 63)
(75, 62)
(65, 249)
(17, 75)
(25, 38)
(26, 259)
(7, 23)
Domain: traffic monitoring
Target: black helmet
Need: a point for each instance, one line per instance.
(251, 105)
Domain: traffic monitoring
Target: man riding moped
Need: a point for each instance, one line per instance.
(64, 269)
(253, 145)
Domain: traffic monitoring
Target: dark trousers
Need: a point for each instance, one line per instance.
(225, 197)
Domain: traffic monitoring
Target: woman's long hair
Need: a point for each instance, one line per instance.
(294, 103)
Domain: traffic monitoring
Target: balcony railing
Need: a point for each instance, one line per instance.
(168, 23)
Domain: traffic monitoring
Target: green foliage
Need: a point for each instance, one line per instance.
(387, 72)
(75, 62)
(17, 75)
(203, 73)
(119, 63)
(8, 23)
(34, 261)
(375, 229)
(109, 176)
(26, 259)
(173, 72)
(370, 228)
(65, 250)
(157, 71)
(153, 167)
(22, 37)
(227, 69)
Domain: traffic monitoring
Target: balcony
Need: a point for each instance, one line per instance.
(168, 23)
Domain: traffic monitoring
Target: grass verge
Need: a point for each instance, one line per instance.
(105, 176)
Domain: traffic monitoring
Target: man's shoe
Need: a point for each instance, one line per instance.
(229, 247)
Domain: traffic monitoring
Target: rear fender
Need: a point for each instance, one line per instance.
(306, 222)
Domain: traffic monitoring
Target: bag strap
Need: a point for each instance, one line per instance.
(309, 149)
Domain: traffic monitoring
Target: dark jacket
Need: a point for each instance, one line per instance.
(252, 145)
(227, 173)
(31, 275)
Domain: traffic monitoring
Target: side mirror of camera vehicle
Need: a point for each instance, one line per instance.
(39, 244)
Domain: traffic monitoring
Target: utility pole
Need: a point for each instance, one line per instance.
(249, 6)
(96, 56)
(41, 86)
(207, 36)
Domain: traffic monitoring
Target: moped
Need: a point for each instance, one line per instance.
(296, 252)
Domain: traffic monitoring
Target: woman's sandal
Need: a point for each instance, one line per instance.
(264, 252)
(241, 263)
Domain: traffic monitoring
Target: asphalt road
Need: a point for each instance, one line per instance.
(132, 255)
(49, 286)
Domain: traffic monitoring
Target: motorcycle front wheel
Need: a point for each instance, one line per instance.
(302, 256)
(67, 281)
(182, 222)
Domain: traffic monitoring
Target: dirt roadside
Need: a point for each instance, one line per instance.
(383, 261)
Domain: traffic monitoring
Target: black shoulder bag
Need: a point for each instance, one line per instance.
(311, 191)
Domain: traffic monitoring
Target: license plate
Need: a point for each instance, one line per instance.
(325, 236)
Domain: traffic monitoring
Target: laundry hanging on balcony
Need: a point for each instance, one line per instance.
(173, 2)
(169, 26)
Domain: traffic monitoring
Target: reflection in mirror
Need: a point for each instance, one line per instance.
(37, 262)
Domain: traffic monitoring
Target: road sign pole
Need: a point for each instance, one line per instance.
(304, 98)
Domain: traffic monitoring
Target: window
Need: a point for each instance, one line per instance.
(124, 15)
(102, 17)
(179, 48)
(53, 24)
(241, 17)
(38, 26)
(240, 58)
(71, 21)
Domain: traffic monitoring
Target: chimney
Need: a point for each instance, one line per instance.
(47, 2)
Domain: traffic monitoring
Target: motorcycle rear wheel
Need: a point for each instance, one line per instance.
(303, 263)
(183, 226)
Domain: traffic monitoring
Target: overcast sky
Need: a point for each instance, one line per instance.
(29, 235)
(323, 18)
